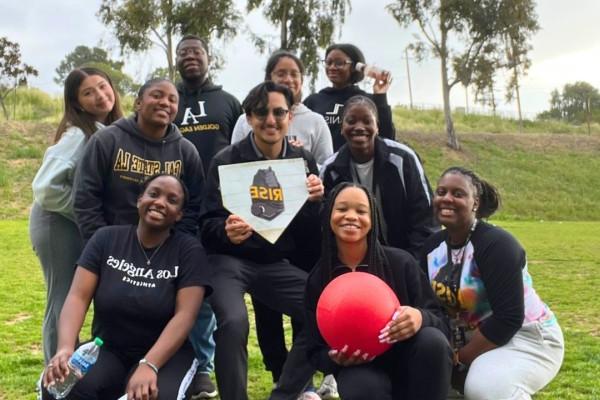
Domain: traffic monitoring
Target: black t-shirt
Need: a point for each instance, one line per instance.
(134, 301)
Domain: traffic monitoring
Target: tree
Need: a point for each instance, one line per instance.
(517, 45)
(83, 56)
(578, 103)
(475, 26)
(305, 26)
(141, 24)
(13, 72)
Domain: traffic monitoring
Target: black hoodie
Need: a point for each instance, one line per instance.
(206, 117)
(117, 159)
(329, 102)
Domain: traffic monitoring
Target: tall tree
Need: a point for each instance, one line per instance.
(305, 26)
(141, 24)
(517, 46)
(13, 72)
(83, 56)
(461, 33)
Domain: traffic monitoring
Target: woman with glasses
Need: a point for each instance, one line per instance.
(307, 128)
(340, 67)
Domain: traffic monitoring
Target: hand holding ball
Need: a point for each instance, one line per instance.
(353, 309)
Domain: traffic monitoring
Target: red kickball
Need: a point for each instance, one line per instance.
(353, 309)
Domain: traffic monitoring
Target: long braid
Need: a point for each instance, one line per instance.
(376, 260)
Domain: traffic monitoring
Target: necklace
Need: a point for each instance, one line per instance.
(459, 253)
(456, 258)
(149, 259)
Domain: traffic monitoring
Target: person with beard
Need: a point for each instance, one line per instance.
(206, 114)
(206, 117)
(245, 262)
(341, 68)
(392, 171)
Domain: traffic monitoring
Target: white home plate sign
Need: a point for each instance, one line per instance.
(265, 194)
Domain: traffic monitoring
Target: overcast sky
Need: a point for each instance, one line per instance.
(565, 50)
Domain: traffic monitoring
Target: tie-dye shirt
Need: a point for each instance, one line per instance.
(496, 292)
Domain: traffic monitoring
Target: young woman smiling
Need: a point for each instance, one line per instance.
(418, 364)
(144, 317)
(120, 157)
(340, 67)
(392, 171)
(90, 102)
(501, 329)
(307, 129)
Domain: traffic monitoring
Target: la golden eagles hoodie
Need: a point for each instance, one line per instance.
(117, 160)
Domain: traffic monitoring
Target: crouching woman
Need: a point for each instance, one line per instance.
(418, 364)
(147, 282)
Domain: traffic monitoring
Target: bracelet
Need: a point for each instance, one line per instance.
(148, 363)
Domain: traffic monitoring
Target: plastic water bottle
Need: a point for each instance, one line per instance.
(370, 71)
(79, 364)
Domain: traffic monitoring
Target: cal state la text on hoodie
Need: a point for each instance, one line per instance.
(117, 160)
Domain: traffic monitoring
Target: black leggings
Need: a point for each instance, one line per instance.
(108, 378)
(416, 369)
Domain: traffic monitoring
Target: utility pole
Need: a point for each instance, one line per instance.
(408, 75)
(589, 115)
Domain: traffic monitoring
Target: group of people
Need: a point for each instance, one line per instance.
(125, 215)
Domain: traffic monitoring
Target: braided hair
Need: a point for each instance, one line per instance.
(376, 259)
(485, 192)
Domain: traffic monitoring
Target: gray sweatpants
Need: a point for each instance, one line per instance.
(58, 245)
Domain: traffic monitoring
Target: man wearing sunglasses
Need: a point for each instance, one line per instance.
(244, 262)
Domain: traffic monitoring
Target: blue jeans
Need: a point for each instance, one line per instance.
(201, 337)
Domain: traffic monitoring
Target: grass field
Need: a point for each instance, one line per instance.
(541, 176)
(564, 261)
(544, 179)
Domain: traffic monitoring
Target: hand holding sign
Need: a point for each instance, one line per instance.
(237, 229)
(265, 196)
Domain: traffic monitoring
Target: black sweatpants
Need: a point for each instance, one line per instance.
(107, 379)
(280, 286)
(416, 369)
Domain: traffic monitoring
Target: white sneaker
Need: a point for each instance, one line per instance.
(328, 389)
(309, 396)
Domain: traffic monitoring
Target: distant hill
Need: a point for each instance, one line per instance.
(541, 176)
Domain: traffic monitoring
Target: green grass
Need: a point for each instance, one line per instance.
(563, 260)
(432, 121)
(30, 104)
(540, 176)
